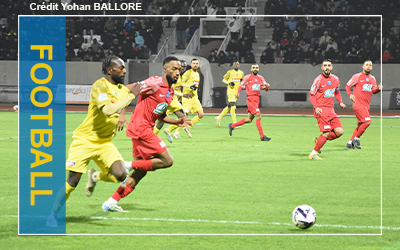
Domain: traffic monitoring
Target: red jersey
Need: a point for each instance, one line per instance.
(363, 87)
(253, 84)
(324, 89)
(155, 96)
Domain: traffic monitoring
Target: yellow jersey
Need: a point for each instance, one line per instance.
(97, 127)
(191, 78)
(178, 87)
(236, 77)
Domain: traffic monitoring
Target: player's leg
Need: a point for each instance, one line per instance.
(222, 114)
(321, 140)
(248, 119)
(337, 129)
(197, 108)
(123, 190)
(180, 114)
(158, 126)
(233, 111)
(260, 128)
(364, 121)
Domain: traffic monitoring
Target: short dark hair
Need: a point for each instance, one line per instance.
(183, 63)
(328, 60)
(170, 58)
(194, 59)
(108, 61)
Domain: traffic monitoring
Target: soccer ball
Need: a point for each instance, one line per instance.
(304, 216)
(16, 107)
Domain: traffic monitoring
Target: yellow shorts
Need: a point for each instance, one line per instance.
(82, 151)
(174, 106)
(191, 105)
(232, 95)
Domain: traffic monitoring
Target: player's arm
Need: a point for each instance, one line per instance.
(349, 85)
(182, 122)
(338, 97)
(313, 100)
(242, 85)
(264, 84)
(226, 79)
(112, 108)
(376, 89)
(121, 121)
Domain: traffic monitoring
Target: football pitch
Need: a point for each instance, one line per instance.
(232, 192)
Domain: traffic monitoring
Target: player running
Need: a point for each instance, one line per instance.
(363, 85)
(253, 84)
(93, 138)
(325, 87)
(233, 78)
(148, 150)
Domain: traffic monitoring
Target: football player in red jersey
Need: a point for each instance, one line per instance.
(323, 91)
(363, 85)
(253, 84)
(148, 150)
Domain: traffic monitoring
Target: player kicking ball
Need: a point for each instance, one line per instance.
(323, 91)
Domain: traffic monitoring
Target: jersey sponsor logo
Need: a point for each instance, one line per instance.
(329, 93)
(161, 108)
(102, 97)
(143, 85)
(256, 87)
(71, 164)
(236, 79)
(367, 87)
(367, 118)
(196, 82)
(161, 95)
(327, 126)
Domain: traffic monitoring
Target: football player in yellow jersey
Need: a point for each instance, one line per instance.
(190, 84)
(93, 138)
(175, 107)
(232, 78)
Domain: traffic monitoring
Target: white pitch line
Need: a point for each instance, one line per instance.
(216, 221)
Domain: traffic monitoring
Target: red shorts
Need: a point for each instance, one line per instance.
(147, 146)
(362, 114)
(253, 103)
(328, 123)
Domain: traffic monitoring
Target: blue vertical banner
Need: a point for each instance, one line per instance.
(41, 129)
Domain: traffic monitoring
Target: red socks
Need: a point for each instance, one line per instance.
(144, 165)
(239, 123)
(320, 142)
(260, 129)
(122, 192)
(362, 128)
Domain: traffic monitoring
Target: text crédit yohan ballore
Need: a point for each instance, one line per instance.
(93, 6)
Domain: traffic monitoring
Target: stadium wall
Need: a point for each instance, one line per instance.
(285, 80)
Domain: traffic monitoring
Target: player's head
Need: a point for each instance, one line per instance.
(255, 68)
(367, 67)
(183, 66)
(194, 64)
(236, 65)
(171, 67)
(326, 67)
(114, 68)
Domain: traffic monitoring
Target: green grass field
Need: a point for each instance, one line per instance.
(239, 189)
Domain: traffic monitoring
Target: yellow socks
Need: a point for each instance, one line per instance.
(233, 114)
(156, 130)
(224, 111)
(108, 177)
